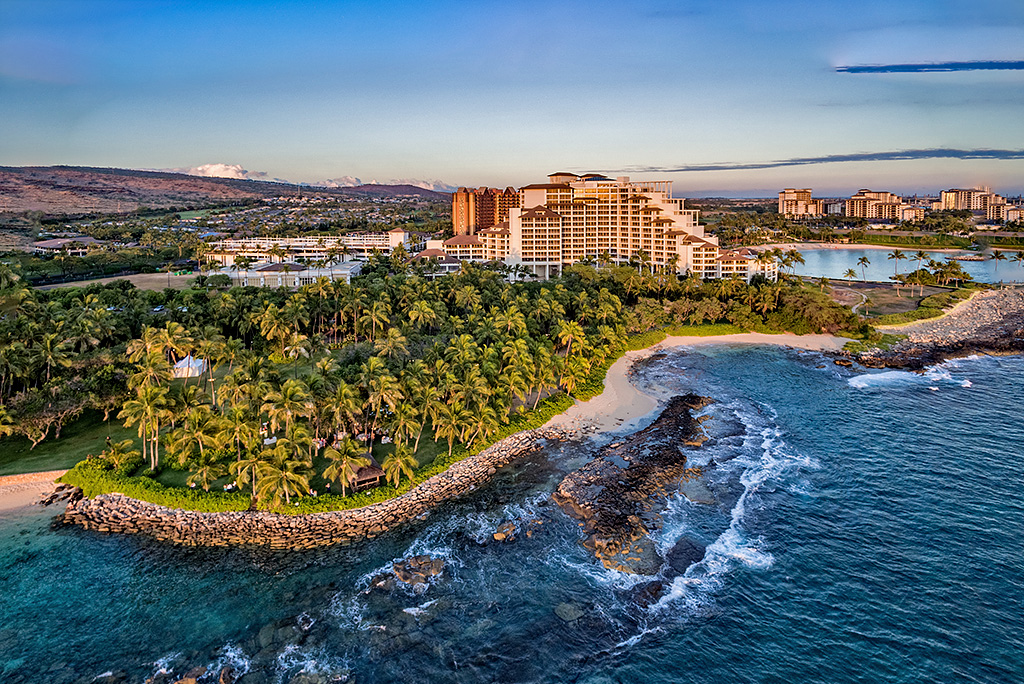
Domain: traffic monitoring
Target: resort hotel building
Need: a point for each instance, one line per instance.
(573, 218)
(311, 248)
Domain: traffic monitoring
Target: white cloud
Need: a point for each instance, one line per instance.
(225, 171)
(436, 185)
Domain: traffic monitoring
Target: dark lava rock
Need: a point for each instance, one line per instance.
(685, 553)
(614, 494)
(648, 594)
(418, 569)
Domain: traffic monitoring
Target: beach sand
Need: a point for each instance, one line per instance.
(19, 491)
(622, 406)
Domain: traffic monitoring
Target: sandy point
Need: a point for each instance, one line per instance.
(623, 407)
(19, 491)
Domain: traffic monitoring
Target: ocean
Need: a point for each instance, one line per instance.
(863, 527)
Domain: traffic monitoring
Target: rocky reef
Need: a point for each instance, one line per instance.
(616, 496)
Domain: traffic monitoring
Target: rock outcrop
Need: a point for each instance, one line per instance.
(614, 495)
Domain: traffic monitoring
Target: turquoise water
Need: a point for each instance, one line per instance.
(834, 263)
(868, 528)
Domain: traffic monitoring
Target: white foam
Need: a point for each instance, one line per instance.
(294, 660)
(416, 611)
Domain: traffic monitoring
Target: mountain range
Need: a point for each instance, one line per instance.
(59, 190)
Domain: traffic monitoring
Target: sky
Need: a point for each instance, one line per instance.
(723, 97)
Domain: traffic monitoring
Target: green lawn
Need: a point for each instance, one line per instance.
(84, 436)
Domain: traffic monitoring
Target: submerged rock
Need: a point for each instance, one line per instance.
(614, 495)
(685, 553)
(569, 612)
(505, 532)
(418, 569)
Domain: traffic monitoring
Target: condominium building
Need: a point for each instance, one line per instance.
(959, 199)
(311, 248)
(474, 209)
(794, 203)
(293, 275)
(874, 205)
(571, 218)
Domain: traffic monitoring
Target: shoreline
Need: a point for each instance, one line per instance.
(618, 407)
(21, 491)
(622, 406)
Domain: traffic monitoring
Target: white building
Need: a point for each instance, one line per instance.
(311, 248)
(293, 275)
(572, 218)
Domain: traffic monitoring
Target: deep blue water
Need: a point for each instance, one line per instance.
(834, 263)
(868, 528)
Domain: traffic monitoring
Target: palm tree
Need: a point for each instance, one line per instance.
(284, 405)
(398, 463)
(850, 274)
(450, 422)
(998, 256)
(896, 256)
(404, 424)
(863, 262)
(283, 475)
(237, 428)
(345, 463)
(147, 410)
(246, 471)
(120, 453)
(393, 344)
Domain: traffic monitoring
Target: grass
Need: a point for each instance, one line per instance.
(885, 342)
(932, 306)
(84, 436)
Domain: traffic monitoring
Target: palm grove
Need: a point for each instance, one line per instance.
(300, 386)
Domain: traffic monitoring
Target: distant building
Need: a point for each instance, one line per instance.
(795, 203)
(958, 199)
(294, 275)
(73, 246)
(311, 248)
(474, 209)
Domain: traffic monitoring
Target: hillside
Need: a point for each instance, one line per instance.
(57, 190)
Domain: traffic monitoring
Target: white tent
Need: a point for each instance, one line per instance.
(190, 368)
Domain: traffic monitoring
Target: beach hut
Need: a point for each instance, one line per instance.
(189, 367)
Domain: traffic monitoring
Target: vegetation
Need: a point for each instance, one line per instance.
(930, 307)
(303, 387)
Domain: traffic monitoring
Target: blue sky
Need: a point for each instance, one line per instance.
(501, 93)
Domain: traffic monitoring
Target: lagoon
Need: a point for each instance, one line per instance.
(834, 261)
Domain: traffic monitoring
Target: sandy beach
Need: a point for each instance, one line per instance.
(622, 406)
(19, 491)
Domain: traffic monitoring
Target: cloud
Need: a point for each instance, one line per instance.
(929, 67)
(900, 155)
(435, 185)
(224, 171)
(352, 181)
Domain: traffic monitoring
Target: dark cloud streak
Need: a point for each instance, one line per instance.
(930, 67)
(900, 155)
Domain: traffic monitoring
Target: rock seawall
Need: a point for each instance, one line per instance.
(115, 513)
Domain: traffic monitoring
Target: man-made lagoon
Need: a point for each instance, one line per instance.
(865, 527)
(833, 262)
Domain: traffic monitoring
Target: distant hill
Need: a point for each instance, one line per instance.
(57, 190)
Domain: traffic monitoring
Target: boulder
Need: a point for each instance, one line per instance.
(685, 553)
(505, 532)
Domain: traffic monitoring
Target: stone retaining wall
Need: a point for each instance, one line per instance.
(116, 513)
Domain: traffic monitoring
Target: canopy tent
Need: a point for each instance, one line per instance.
(189, 367)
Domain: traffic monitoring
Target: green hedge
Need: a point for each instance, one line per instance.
(95, 477)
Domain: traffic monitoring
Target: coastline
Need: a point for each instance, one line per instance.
(622, 406)
(21, 491)
(618, 407)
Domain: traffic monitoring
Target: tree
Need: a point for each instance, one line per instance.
(345, 463)
(850, 274)
(863, 262)
(398, 463)
(284, 405)
(450, 422)
(896, 256)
